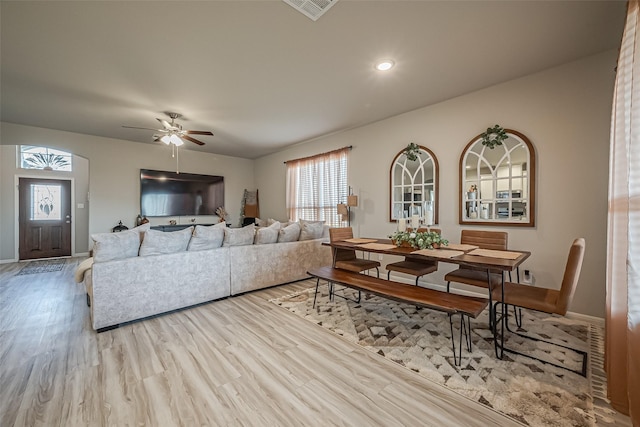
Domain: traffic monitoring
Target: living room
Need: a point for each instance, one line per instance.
(564, 109)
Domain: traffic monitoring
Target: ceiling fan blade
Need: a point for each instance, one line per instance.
(199, 132)
(135, 127)
(195, 141)
(165, 123)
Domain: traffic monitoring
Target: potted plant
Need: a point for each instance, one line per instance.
(493, 136)
(418, 239)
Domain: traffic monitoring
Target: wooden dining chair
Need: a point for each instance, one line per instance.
(413, 266)
(346, 259)
(546, 300)
(496, 240)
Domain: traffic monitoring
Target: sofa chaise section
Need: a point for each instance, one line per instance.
(138, 287)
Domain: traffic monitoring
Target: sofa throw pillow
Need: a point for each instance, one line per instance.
(261, 222)
(266, 235)
(290, 233)
(239, 236)
(141, 229)
(111, 246)
(207, 237)
(165, 242)
(282, 223)
(310, 230)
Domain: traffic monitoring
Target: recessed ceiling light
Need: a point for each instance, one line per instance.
(385, 65)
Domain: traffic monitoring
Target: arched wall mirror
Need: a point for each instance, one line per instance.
(414, 186)
(497, 185)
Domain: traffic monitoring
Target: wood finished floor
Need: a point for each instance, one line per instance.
(240, 361)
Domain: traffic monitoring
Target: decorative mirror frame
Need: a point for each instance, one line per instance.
(424, 151)
(489, 217)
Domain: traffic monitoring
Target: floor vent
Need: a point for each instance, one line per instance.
(313, 9)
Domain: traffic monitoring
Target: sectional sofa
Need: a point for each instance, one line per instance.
(140, 272)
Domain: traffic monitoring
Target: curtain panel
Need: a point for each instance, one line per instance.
(315, 185)
(622, 346)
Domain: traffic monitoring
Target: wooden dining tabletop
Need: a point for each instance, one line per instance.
(465, 258)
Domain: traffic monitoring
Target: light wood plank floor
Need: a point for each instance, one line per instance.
(238, 361)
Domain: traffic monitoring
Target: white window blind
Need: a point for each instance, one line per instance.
(315, 186)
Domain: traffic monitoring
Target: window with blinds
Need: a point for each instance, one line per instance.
(315, 186)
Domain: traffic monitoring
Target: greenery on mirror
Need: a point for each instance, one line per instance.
(494, 136)
(412, 151)
(418, 239)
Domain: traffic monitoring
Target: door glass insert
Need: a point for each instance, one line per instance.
(45, 202)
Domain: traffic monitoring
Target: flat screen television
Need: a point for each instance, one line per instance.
(165, 193)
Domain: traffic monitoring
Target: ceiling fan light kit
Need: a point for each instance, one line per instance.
(173, 134)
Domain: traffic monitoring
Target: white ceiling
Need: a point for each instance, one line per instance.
(261, 75)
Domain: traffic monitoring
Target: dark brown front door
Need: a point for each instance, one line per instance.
(44, 218)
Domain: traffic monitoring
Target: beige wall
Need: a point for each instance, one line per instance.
(565, 112)
(114, 177)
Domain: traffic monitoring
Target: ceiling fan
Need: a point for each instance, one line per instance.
(172, 132)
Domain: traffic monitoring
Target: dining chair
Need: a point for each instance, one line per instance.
(545, 300)
(496, 240)
(413, 266)
(346, 259)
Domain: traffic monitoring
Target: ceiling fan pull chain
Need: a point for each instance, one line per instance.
(177, 159)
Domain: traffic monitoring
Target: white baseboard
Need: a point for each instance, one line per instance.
(572, 315)
(599, 321)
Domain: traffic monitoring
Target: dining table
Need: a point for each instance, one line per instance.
(467, 255)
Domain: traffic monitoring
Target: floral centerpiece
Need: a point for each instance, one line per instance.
(418, 239)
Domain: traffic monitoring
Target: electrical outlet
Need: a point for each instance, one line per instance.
(528, 278)
(379, 257)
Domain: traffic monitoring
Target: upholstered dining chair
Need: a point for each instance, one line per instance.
(346, 259)
(496, 240)
(413, 266)
(546, 300)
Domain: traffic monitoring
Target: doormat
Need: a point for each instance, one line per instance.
(44, 266)
(524, 389)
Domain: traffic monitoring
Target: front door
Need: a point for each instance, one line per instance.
(44, 218)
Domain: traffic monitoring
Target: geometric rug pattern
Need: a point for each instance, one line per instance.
(44, 266)
(529, 391)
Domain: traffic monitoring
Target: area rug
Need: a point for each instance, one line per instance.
(44, 266)
(531, 392)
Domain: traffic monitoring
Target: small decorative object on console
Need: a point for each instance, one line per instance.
(222, 213)
(119, 227)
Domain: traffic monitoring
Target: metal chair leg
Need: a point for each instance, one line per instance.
(453, 341)
(584, 354)
(316, 294)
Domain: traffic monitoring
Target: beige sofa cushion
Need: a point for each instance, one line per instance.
(111, 246)
(165, 242)
(290, 233)
(239, 236)
(267, 235)
(207, 237)
(310, 230)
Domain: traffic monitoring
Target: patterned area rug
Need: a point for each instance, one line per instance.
(524, 389)
(44, 266)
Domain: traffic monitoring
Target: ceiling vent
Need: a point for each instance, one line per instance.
(313, 9)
